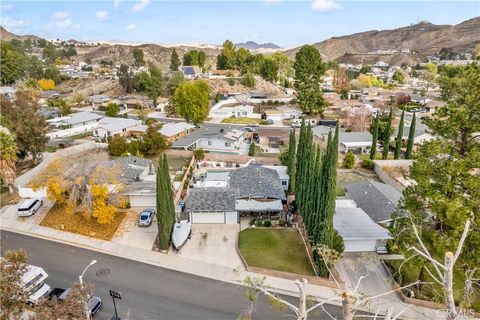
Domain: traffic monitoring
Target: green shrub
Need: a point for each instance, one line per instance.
(349, 160)
(150, 121)
(251, 222)
(251, 151)
(282, 222)
(267, 223)
(263, 122)
(259, 223)
(367, 164)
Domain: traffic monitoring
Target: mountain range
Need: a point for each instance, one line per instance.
(407, 45)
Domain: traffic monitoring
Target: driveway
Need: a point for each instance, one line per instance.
(213, 243)
(128, 233)
(354, 265)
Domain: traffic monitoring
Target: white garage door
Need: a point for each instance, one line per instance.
(359, 245)
(231, 217)
(208, 217)
(143, 201)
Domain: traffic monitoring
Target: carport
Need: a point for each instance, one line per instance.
(259, 207)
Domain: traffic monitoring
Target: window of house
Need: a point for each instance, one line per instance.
(209, 142)
(284, 183)
(227, 144)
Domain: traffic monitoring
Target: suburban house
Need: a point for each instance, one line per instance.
(98, 100)
(378, 200)
(250, 190)
(191, 72)
(138, 130)
(357, 142)
(273, 115)
(174, 130)
(273, 138)
(109, 127)
(222, 139)
(419, 136)
(76, 123)
(238, 111)
(433, 105)
(138, 177)
(359, 232)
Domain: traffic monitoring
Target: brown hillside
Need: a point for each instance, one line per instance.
(8, 36)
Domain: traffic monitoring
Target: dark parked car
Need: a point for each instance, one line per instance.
(94, 303)
(146, 217)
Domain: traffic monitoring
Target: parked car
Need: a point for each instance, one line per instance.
(248, 129)
(146, 217)
(29, 207)
(94, 303)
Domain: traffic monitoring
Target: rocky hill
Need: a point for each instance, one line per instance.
(423, 38)
(8, 36)
(157, 54)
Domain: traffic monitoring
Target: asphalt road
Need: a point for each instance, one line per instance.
(148, 292)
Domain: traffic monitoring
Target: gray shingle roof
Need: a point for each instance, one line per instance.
(257, 181)
(208, 131)
(354, 224)
(211, 199)
(131, 167)
(378, 200)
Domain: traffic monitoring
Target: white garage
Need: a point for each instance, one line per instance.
(212, 205)
(360, 233)
(143, 200)
(214, 217)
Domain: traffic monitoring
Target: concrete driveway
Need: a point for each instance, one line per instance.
(213, 243)
(129, 233)
(354, 265)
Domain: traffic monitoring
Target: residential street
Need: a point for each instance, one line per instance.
(148, 292)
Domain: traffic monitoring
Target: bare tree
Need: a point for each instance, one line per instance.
(444, 271)
(12, 294)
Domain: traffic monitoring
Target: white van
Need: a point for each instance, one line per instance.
(29, 207)
(298, 123)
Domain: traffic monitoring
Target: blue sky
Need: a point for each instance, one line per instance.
(286, 23)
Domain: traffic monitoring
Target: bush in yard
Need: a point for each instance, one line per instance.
(251, 222)
(150, 121)
(199, 154)
(282, 222)
(367, 164)
(258, 223)
(264, 123)
(117, 146)
(349, 160)
(251, 151)
(267, 223)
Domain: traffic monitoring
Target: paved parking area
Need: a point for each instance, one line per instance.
(11, 212)
(129, 233)
(354, 265)
(213, 243)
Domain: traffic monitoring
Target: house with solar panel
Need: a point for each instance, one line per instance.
(191, 72)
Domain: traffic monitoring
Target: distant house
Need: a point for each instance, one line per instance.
(378, 200)
(175, 130)
(109, 127)
(258, 95)
(138, 131)
(357, 142)
(238, 111)
(359, 232)
(433, 105)
(220, 139)
(49, 94)
(273, 115)
(191, 72)
(98, 99)
(419, 99)
(273, 138)
(77, 119)
(419, 136)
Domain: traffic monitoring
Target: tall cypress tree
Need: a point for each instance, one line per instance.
(411, 137)
(319, 221)
(398, 142)
(165, 207)
(300, 160)
(317, 182)
(292, 160)
(373, 149)
(387, 135)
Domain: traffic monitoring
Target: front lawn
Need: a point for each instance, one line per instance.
(58, 218)
(176, 163)
(276, 249)
(243, 120)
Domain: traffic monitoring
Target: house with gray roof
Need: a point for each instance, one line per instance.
(357, 142)
(109, 127)
(249, 190)
(214, 138)
(78, 119)
(378, 200)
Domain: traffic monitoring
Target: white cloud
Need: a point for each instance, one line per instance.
(101, 15)
(77, 26)
(10, 23)
(325, 5)
(131, 26)
(6, 7)
(61, 19)
(116, 3)
(140, 5)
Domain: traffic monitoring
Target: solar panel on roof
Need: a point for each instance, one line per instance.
(188, 71)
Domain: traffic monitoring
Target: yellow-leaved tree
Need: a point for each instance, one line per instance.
(46, 84)
(86, 183)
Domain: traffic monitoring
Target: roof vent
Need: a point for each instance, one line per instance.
(222, 130)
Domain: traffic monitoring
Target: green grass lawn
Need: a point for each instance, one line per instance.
(176, 163)
(242, 120)
(276, 249)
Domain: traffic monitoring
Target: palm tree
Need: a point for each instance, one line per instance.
(8, 158)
